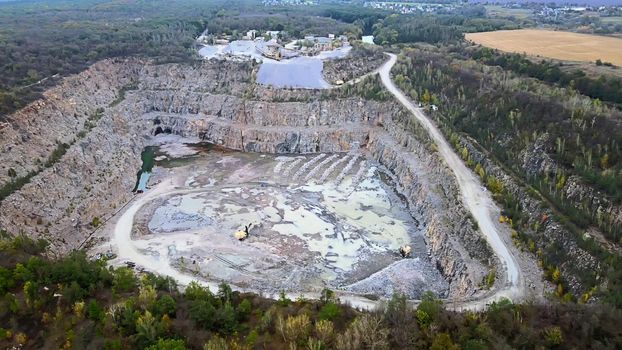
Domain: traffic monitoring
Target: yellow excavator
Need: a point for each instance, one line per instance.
(405, 251)
(242, 234)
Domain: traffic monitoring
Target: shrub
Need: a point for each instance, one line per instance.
(329, 311)
(165, 305)
(123, 280)
(324, 330)
(442, 341)
(283, 299)
(147, 296)
(227, 321)
(365, 332)
(203, 313)
(95, 312)
(553, 336)
(168, 344)
(295, 329)
(216, 343)
(244, 310)
(195, 291)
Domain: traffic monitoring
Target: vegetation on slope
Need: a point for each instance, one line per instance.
(77, 303)
(508, 115)
(604, 88)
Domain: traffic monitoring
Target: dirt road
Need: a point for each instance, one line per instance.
(474, 196)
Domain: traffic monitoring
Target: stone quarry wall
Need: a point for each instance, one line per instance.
(96, 174)
(461, 253)
(543, 227)
(32, 133)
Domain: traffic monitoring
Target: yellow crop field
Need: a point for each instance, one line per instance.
(552, 44)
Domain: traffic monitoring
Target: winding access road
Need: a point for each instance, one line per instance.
(474, 197)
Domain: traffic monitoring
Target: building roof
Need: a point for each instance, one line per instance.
(323, 40)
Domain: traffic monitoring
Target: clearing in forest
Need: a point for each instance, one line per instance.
(553, 44)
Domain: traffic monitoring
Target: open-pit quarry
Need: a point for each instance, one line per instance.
(330, 184)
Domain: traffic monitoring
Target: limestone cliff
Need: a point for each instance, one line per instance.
(216, 102)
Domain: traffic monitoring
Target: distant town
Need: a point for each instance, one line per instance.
(273, 44)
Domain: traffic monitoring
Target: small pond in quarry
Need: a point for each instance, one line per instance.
(317, 220)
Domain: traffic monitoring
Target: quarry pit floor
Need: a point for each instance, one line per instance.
(316, 221)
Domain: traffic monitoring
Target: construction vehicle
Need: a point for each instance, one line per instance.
(242, 234)
(405, 251)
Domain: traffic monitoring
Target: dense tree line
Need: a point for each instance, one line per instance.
(292, 25)
(604, 88)
(74, 302)
(363, 17)
(433, 28)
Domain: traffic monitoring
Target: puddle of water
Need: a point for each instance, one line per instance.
(147, 156)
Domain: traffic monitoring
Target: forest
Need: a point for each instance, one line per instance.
(74, 302)
(604, 88)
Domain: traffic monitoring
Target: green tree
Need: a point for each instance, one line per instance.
(227, 320)
(203, 313)
(123, 280)
(195, 291)
(329, 311)
(146, 328)
(244, 310)
(165, 305)
(94, 311)
(442, 341)
(6, 280)
(431, 306)
(168, 344)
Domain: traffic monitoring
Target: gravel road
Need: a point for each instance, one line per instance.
(474, 196)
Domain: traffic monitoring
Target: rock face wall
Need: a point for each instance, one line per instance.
(34, 131)
(462, 255)
(543, 228)
(94, 178)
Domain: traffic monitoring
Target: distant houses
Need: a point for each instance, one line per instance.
(251, 35)
(271, 43)
(368, 39)
(270, 49)
(320, 43)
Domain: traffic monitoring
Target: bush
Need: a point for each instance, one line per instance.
(95, 312)
(329, 311)
(244, 310)
(203, 313)
(227, 321)
(324, 331)
(165, 305)
(123, 280)
(168, 344)
(294, 329)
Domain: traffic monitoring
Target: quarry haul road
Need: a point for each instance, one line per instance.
(474, 197)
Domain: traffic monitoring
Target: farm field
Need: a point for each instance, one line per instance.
(552, 44)
(614, 19)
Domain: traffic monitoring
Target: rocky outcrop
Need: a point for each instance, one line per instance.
(461, 254)
(544, 228)
(32, 133)
(362, 60)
